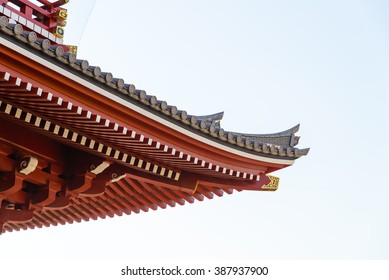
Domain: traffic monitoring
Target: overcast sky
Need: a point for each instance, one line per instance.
(268, 65)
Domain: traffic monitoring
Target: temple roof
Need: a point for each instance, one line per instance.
(275, 145)
(78, 143)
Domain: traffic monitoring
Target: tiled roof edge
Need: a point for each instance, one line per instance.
(272, 144)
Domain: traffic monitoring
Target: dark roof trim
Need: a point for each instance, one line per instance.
(277, 144)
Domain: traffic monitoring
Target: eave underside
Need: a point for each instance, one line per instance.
(135, 173)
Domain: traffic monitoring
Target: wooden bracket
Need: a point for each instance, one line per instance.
(189, 181)
(10, 182)
(60, 202)
(47, 194)
(91, 183)
(81, 183)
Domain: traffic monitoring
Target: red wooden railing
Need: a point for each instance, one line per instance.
(49, 16)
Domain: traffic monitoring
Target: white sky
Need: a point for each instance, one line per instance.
(268, 65)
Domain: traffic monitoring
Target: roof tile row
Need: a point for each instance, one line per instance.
(277, 144)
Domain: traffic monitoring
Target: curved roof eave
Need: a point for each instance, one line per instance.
(270, 151)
